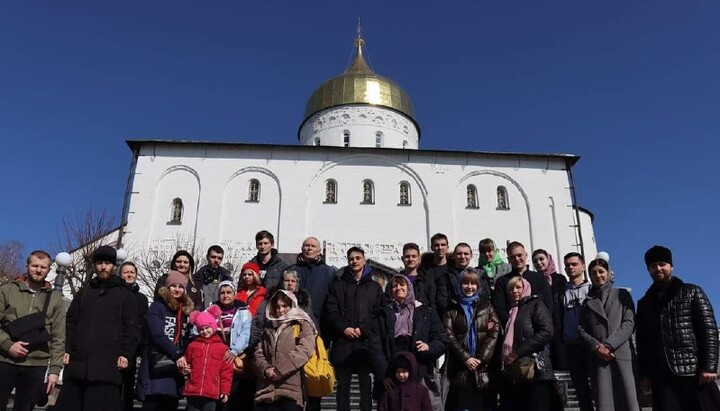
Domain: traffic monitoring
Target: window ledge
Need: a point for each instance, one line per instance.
(364, 203)
(252, 201)
(404, 205)
(174, 223)
(472, 208)
(329, 202)
(503, 208)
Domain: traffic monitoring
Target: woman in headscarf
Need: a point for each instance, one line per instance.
(408, 325)
(287, 343)
(490, 263)
(607, 322)
(545, 265)
(472, 329)
(527, 333)
(183, 263)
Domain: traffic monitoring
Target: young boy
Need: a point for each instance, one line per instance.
(210, 376)
(408, 394)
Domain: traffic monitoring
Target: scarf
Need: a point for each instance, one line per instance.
(468, 306)
(550, 270)
(490, 267)
(210, 275)
(404, 312)
(295, 314)
(510, 327)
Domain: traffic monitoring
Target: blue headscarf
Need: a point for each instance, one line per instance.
(468, 306)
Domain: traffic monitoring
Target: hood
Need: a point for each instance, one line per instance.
(410, 299)
(294, 314)
(274, 259)
(348, 276)
(402, 358)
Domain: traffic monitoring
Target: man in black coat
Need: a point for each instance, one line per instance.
(423, 283)
(210, 275)
(677, 340)
(102, 334)
(448, 284)
(351, 309)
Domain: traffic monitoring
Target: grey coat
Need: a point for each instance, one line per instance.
(611, 324)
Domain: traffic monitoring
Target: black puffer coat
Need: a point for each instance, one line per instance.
(425, 289)
(533, 327)
(676, 330)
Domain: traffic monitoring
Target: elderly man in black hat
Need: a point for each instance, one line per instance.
(102, 333)
(677, 340)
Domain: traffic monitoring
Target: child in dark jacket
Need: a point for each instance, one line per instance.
(210, 376)
(408, 394)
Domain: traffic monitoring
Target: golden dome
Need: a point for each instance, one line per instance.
(359, 85)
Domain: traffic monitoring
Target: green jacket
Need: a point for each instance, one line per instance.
(17, 300)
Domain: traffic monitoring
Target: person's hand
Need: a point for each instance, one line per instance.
(421, 346)
(706, 377)
(122, 363)
(646, 384)
(51, 381)
(223, 398)
(602, 351)
(349, 333)
(388, 383)
(269, 372)
(183, 365)
(229, 357)
(18, 349)
(358, 333)
(510, 358)
(472, 363)
(66, 359)
(275, 375)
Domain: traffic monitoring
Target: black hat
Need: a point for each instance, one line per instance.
(658, 253)
(105, 253)
(400, 361)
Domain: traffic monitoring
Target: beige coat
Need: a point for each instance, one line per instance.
(287, 354)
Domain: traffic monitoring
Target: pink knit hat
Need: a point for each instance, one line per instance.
(206, 318)
(175, 277)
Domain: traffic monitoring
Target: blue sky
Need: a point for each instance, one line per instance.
(632, 87)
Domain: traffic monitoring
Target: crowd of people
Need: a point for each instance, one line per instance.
(437, 335)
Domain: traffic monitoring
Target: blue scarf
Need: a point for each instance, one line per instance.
(468, 306)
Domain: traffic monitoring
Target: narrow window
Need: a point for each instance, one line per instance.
(331, 192)
(378, 139)
(368, 192)
(317, 141)
(405, 193)
(253, 191)
(176, 212)
(405, 144)
(472, 198)
(346, 138)
(502, 198)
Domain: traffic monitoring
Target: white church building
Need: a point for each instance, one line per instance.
(357, 177)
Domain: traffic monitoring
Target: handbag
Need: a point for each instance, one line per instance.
(543, 367)
(161, 365)
(31, 328)
(522, 369)
(482, 378)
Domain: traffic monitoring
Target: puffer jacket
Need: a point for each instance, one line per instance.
(210, 376)
(676, 323)
(456, 328)
(533, 326)
(410, 395)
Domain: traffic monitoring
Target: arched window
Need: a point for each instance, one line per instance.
(405, 193)
(502, 198)
(331, 192)
(346, 138)
(368, 192)
(317, 141)
(176, 211)
(253, 191)
(472, 197)
(378, 139)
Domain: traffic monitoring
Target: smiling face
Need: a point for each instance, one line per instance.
(128, 273)
(356, 262)
(399, 290)
(463, 255)
(37, 269)
(468, 288)
(540, 261)
(518, 258)
(176, 290)
(206, 332)
(182, 264)
(599, 276)
(489, 253)
(516, 292)
(281, 308)
(660, 271)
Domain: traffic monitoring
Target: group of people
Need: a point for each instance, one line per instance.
(438, 335)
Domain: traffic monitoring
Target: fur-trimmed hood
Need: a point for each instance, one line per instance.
(185, 303)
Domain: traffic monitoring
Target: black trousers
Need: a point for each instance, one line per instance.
(578, 360)
(201, 404)
(343, 374)
(283, 404)
(128, 385)
(242, 395)
(27, 381)
(160, 403)
(86, 396)
(670, 393)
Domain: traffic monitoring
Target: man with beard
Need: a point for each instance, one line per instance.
(102, 334)
(23, 365)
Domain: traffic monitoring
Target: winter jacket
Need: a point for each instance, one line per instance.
(611, 323)
(101, 326)
(315, 277)
(456, 329)
(410, 395)
(162, 327)
(209, 292)
(425, 288)
(210, 375)
(17, 300)
(533, 327)
(426, 328)
(287, 354)
(352, 303)
(448, 286)
(254, 301)
(193, 289)
(258, 320)
(271, 273)
(141, 302)
(538, 284)
(240, 329)
(676, 330)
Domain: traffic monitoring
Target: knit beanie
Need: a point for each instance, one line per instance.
(658, 253)
(226, 283)
(105, 253)
(175, 277)
(203, 319)
(251, 266)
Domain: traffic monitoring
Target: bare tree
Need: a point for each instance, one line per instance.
(80, 236)
(11, 254)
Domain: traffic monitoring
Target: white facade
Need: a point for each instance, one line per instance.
(217, 182)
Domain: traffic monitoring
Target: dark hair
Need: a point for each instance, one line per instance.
(186, 254)
(462, 245)
(599, 261)
(513, 245)
(264, 234)
(411, 246)
(41, 254)
(215, 248)
(485, 244)
(574, 254)
(279, 296)
(470, 276)
(438, 236)
(539, 251)
(130, 263)
(355, 249)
